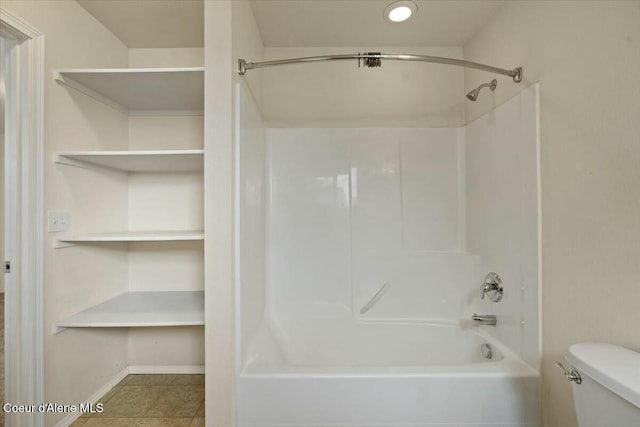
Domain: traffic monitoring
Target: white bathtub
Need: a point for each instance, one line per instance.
(389, 375)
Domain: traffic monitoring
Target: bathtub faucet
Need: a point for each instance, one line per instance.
(492, 287)
(483, 319)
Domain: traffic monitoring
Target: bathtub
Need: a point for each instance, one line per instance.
(381, 374)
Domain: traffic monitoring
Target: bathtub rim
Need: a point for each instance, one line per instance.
(510, 365)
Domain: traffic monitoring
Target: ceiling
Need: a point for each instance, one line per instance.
(151, 23)
(289, 23)
(301, 23)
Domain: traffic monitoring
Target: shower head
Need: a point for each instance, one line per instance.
(473, 95)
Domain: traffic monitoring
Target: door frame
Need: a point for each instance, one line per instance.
(24, 367)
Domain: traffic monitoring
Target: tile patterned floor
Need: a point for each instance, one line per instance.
(151, 401)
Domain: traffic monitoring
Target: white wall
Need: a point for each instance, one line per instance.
(247, 44)
(166, 57)
(250, 226)
(230, 32)
(339, 94)
(78, 362)
(502, 217)
(586, 57)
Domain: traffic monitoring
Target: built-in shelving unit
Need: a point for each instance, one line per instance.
(143, 92)
(140, 91)
(141, 309)
(136, 161)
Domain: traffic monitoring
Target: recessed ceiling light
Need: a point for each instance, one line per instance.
(400, 11)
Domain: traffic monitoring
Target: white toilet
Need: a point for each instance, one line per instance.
(609, 390)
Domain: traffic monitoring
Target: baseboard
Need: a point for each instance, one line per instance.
(166, 369)
(72, 416)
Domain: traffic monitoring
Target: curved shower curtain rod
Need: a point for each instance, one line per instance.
(374, 59)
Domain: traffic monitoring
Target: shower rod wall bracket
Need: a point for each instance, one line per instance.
(518, 74)
(242, 64)
(376, 58)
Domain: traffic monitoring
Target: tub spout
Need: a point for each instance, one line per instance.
(484, 319)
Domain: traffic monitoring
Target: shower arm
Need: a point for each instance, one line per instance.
(373, 59)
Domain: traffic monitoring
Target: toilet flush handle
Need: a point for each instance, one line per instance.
(573, 376)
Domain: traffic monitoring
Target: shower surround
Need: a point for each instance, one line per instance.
(326, 217)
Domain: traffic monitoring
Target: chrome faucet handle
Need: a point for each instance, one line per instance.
(492, 287)
(486, 287)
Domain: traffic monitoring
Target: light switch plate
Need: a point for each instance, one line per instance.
(57, 221)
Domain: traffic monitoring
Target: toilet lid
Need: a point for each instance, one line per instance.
(616, 368)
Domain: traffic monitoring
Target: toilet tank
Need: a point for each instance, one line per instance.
(609, 394)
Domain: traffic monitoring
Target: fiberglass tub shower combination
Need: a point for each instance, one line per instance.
(361, 252)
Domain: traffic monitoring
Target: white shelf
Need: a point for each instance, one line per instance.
(141, 91)
(141, 309)
(130, 236)
(136, 161)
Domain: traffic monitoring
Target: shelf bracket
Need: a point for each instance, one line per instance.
(57, 158)
(74, 84)
(59, 244)
(62, 160)
(55, 329)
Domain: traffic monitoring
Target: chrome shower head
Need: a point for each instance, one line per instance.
(473, 95)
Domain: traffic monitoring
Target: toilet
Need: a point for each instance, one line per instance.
(608, 393)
